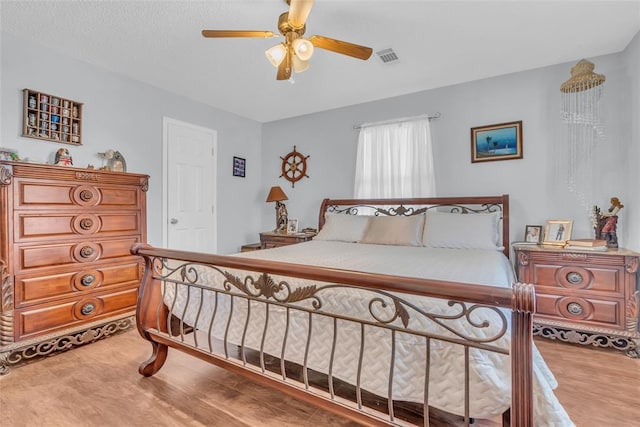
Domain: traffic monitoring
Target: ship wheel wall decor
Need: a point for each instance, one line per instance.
(294, 166)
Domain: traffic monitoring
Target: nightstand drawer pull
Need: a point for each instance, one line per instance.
(86, 195)
(575, 308)
(574, 278)
(87, 309)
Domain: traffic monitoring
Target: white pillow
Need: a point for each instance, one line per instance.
(394, 230)
(343, 227)
(461, 231)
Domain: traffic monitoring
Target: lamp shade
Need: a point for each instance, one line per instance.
(299, 65)
(276, 54)
(276, 195)
(303, 48)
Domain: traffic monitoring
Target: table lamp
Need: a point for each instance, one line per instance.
(277, 195)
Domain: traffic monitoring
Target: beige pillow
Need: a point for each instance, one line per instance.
(462, 231)
(343, 227)
(394, 230)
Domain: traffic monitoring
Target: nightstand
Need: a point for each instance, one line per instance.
(271, 239)
(251, 247)
(583, 297)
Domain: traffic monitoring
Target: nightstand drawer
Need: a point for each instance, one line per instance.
(580, 310)
(558, 278)
(270, 240)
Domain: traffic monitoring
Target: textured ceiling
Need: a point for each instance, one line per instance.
(439, 43)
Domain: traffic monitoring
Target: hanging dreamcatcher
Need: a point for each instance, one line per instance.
(580, 112)
(294, 166)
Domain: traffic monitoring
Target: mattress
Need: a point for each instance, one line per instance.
(489, 373)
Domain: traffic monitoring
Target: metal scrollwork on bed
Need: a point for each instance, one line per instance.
(389, 307)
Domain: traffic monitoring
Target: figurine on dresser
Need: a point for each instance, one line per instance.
(63, 158)
(605, 224)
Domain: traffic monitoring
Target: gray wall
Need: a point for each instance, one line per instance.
(126, 115)
(536, 183)
(632, 53)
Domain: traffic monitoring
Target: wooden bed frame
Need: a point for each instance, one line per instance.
(178, 268)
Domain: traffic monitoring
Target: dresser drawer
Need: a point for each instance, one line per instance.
(594, 279)
(52, 226)
(39, 288)
(30, 194)
(46, 318)
(31, 257)
(580, 310)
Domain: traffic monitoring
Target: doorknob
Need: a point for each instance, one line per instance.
(174, 220)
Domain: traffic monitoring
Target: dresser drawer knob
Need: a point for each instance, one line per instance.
(86, 223)
(87, 309)
(575, 308)
(87, 280)
(86, 195)
(574, 278)
(86, 251)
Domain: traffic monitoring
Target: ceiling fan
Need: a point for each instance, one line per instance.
(295, 52)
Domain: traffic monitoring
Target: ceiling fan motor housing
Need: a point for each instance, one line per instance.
(285, 27)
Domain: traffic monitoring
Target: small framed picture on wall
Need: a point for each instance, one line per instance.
(496, 142)
(239, 166)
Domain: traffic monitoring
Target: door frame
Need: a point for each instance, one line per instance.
(166, 121)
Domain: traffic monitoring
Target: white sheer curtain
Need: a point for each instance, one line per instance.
(395, 160)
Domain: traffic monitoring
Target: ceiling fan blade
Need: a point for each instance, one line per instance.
(338, 46)
(284, 69)
(237, 33)
(299, 12)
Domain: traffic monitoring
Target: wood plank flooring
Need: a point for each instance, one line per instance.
(98, 385)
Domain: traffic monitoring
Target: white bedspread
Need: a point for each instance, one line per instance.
(490, 381)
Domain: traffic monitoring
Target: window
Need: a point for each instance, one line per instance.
(395, 160)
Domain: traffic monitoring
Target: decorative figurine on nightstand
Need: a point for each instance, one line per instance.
(605, 224)
(63, 158)
(277, 195)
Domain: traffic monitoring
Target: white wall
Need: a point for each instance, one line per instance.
(126, 115)
(535, 183)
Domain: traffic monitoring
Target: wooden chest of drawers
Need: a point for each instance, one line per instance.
(587, 297)
(65, 239)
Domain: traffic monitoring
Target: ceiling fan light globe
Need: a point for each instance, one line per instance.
(303, 48)
(299, 65)
(276, 54)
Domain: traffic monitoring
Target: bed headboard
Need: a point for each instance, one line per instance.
(408, 207)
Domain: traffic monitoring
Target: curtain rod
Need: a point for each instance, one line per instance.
(399, 120)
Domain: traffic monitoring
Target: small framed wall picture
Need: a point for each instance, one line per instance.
(292, 226)
(557, 232)
(239, 166)
(496, 142)
(533, 234)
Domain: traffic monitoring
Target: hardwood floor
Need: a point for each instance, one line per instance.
(98, 385)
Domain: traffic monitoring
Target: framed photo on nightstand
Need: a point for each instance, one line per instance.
(533, 234)
(557, 232)
(292, 226)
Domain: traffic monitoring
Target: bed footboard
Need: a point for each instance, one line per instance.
(396, 340)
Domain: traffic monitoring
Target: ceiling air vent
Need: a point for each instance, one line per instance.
(387, 55)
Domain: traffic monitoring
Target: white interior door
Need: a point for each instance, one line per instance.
(189, 214)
